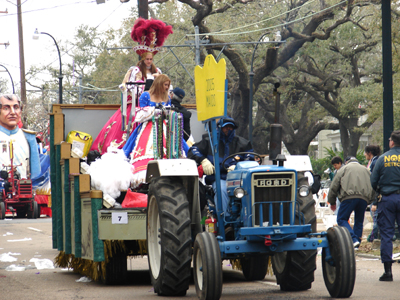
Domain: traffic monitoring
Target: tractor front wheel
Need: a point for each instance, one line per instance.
(339, 268)
(169, 242)
(207, 266)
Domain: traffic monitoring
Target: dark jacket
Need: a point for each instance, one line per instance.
(385, 177)
(186, 117)
(227, 145)
(351, 181)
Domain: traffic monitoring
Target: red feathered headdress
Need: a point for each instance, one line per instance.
(150, 34)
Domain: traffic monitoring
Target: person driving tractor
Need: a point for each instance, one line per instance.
(229, 143)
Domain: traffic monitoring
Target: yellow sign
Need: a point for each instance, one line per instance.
(210, 89)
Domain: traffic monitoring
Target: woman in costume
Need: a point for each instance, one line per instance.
(160, 133)
(150, 34)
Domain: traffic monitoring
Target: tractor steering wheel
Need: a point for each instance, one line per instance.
(256, 155)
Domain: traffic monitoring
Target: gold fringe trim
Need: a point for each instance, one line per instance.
(236, 265)
(142, 247)
(96, 270)
(270, 270)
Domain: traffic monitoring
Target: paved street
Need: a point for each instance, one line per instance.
(26, 239)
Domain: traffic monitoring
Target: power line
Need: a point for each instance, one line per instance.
(268, 19)
(45, 8)
(271, 27)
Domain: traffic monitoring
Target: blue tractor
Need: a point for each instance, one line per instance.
(271, 218)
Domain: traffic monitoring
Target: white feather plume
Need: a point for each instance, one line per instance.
(112, 173)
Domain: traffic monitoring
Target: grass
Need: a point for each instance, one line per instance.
(367, 247)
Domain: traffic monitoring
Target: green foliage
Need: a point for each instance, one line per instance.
(320, 165)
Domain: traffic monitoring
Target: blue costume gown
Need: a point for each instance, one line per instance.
(140, 145)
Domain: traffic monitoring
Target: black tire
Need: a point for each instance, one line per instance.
(341, 275)
(294, 270)
(21, 212)
(116, 270)
(2, 210)
(254, 267)
(207, 267)
(169, 242)
(38, 212)
(33, 212)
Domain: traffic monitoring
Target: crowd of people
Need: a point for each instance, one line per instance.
(354, 187)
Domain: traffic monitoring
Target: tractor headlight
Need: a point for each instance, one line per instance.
(239, 192)
(304, 190)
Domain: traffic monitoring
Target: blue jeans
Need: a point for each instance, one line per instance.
(346, 208)
(224, 195)
(375, 227)
(388, 213)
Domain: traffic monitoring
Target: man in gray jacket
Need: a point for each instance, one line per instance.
(352, 186)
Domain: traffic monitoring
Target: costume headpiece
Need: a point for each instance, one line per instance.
(150, 34)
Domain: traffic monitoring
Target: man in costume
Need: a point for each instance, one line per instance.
(25, 151)
(150, 34)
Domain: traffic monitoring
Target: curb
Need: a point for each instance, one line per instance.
(365, 255)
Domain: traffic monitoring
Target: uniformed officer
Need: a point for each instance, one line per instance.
(385, 179)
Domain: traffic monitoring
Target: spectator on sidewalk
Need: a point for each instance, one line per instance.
(351, 185)
(337, 163)
(372, 153)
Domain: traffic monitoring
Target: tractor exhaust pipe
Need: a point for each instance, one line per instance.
(275, 146)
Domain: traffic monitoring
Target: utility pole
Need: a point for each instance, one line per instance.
(387, 73)
(21, 54)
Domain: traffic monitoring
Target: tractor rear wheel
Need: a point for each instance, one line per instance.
(2, 210)
(254, 267)
(207, 266)
(340, 271)
(33, 213)
(169, 242)
(294, 270)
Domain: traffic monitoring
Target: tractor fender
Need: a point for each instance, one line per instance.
(171, 167)
(185, 171)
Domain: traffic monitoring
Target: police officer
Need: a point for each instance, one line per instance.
(385, 179)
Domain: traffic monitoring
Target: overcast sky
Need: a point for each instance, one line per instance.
(59, 18)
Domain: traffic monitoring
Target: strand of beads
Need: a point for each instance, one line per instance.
(153, 120)
(160, 137)
(167, 136)
(180, 135)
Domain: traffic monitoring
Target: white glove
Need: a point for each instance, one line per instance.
(231, 168)
(208, 167)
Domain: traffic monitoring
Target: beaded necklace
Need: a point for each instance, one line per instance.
(153, 120)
